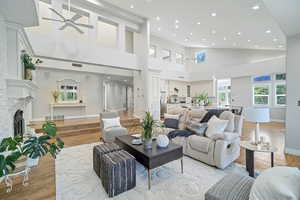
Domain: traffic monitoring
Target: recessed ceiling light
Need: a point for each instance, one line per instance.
(275, 40)
(176, 26)
(203, 39)
(249, 40)
(125, 80)
(213, 14)
(131, 6)
(213, 44)
(268, 31)
(176, 21)
(225, 38)
(186, 39)
(198, 23)
(159, 29)
(191, 33)
(213, 32)
(280, 46)
(239, 33)
(157, 18)
(255, 7)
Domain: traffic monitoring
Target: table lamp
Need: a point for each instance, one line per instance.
(257, 115)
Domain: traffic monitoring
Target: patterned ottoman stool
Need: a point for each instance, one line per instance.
(99, 151)
(119, 172)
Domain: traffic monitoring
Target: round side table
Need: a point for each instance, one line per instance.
(250, 149)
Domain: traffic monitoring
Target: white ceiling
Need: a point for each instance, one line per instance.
(287, 13)
(232, 17)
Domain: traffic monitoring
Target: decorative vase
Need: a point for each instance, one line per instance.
(163, 141)
(28, 74)
(32, 162)
(148, 143)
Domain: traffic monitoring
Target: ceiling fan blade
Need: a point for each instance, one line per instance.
(56, 20)
(57, 13)
(84, 25)
(63, 27)
(75, 17)
(78, 29)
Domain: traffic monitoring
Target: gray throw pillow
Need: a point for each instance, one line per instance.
(171, 123)
(198, 128)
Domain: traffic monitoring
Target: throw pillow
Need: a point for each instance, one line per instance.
(216, 128)
(171, 123)
(227, 115)
(111, 122)
(197, 114)
(197, 128)
(210, 113)
(277, 183)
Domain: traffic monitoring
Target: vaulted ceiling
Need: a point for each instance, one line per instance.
(210, 23)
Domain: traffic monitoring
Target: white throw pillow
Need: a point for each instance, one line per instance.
(227, 115)
(111, 122)
(169, 116)
(216, 128)
(278, 183)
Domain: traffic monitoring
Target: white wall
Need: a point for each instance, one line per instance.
(228, 63)
(91, 92)
(241, 95)
(292, 140)
(199, 87)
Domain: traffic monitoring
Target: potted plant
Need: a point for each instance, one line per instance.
(32, 147)
(202, 98)
(147, 125)
(55, 95)
(28, 64)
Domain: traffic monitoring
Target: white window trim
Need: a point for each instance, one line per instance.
(181, 60)
(275, 95)
(269, 85)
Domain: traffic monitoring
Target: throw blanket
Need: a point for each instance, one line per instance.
(180, 133)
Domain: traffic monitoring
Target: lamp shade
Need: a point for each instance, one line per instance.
(257, 115)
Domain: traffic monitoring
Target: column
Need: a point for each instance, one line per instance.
(121, 37)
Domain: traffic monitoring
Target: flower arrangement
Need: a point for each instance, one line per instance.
(55, 95)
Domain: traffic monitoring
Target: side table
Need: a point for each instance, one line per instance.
(250, 149)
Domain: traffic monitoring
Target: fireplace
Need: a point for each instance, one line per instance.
(19, 123)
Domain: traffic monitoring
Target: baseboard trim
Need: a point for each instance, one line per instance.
(295, 152)
(277, 120)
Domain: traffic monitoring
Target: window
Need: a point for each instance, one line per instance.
(199, 57)
(280, 77)
(224, 92)
(262, 78)
(152, 51)
(107, 34)
(261, 95)
(280, 94)
(179, 58)
(69, 91)
(166, 55)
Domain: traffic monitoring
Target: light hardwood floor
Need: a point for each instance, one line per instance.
(42, 178)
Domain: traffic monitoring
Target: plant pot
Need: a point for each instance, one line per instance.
(28, 74)
(32, 162)
(148, 144)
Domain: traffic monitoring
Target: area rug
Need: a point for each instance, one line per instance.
(76, 179)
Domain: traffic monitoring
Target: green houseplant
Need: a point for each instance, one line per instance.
(202, 98)
(29, 65)
(147, 125)
(33, 147)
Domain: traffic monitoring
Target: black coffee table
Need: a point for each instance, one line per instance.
(152, 158)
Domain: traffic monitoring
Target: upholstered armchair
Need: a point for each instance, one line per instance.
(111, 130)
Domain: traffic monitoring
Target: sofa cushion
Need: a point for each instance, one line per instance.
(199, 143)
(171, 123)
(196, 114)
(171, 116)
(278, 183)
(216, 127)
(227, 115)
(197, 128)
(111, 122)
(179, 133)
(210, 113)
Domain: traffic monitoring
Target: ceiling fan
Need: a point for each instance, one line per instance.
(68, 22)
